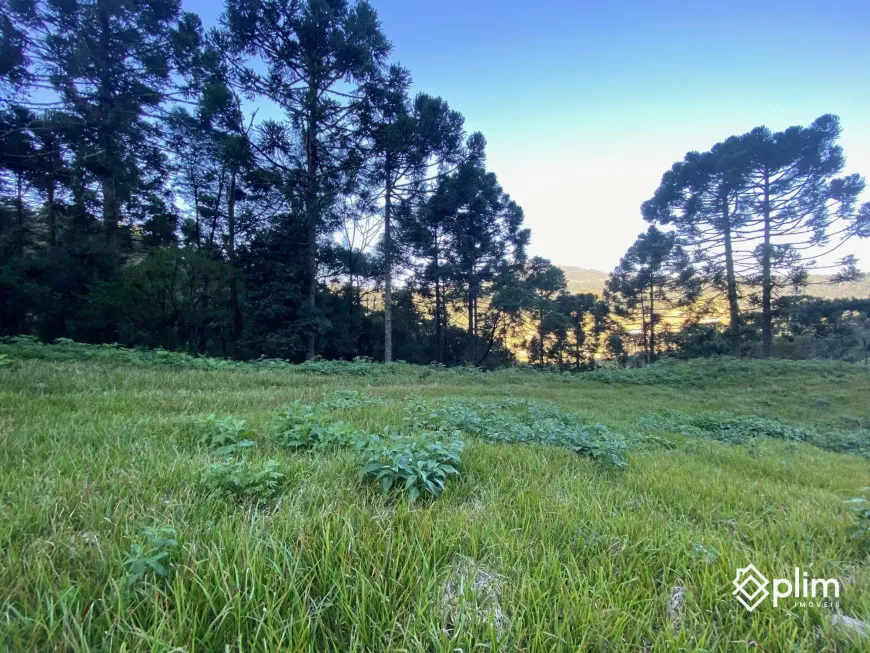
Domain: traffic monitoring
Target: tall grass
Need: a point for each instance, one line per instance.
(534, 548)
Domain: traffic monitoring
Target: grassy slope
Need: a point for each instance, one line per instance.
(586, 557)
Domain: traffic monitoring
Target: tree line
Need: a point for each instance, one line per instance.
(272, 187)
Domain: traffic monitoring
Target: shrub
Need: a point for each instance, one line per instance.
(703, 372)
(243, 480)
(225, 436)
(417, 466)
(596, 442)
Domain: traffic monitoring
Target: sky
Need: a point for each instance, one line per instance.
(585, 105)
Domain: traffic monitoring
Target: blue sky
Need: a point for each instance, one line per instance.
(585, 105)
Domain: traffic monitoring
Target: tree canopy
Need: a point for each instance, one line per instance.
(276, 186)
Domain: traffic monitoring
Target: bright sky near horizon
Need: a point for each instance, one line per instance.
(585, 105)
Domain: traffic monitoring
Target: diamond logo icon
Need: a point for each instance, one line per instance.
(750, 587)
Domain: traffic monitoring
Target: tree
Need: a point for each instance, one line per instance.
(704, 198)
(485, 236)
(216, 168)
(654, 275)
(798, 203)
(111, 66)
(14, 61)
(407, 142)
(544, 282)
(176, 299)
(586, 317)
(423, 230)
(318, 55)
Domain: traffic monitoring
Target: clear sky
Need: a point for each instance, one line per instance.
(585, 105)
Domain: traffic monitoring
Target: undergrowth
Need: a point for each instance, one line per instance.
(515, 420)
(739, 429)
(244, 480)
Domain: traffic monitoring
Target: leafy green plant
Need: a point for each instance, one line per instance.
(741, 429)
(860, 509)
(226, 436)
(5, 360)
(148, 559)
(417, 466)
(595, 441)
(243, 480)
(704, 553)
(512, 420)
(302, 426)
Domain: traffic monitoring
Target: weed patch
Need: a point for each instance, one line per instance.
(225, 436)
(244, 480)
(151, 558)
(513, 420)
(303, 426)
(740, 429)
(418, 466)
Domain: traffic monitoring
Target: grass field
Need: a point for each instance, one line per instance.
(532, 548)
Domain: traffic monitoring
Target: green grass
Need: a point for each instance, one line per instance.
(533, 548)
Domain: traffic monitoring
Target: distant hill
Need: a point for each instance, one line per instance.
(585, 280)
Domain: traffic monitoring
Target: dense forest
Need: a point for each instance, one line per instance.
(146, 199)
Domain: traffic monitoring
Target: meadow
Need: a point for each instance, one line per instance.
(151, 501)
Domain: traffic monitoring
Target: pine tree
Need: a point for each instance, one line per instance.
(484, 230)
(544, 282)
(704, 198)
(318, 54)
(408, 143)
(111, 66)
(655, 275)
(799, 206)
(586, 318)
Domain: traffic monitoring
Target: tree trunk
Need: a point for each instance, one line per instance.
(471, 303)
(110, 214)
(19, 200)
(231, 256)
(439, 336)
(733, 308)
(388, 271)
(311, 212)
(766, 277)
(652, 326)
(643, 328)
(18, 243)
(541, 336)
(52, 217)
(107, 176)
(196, 235)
